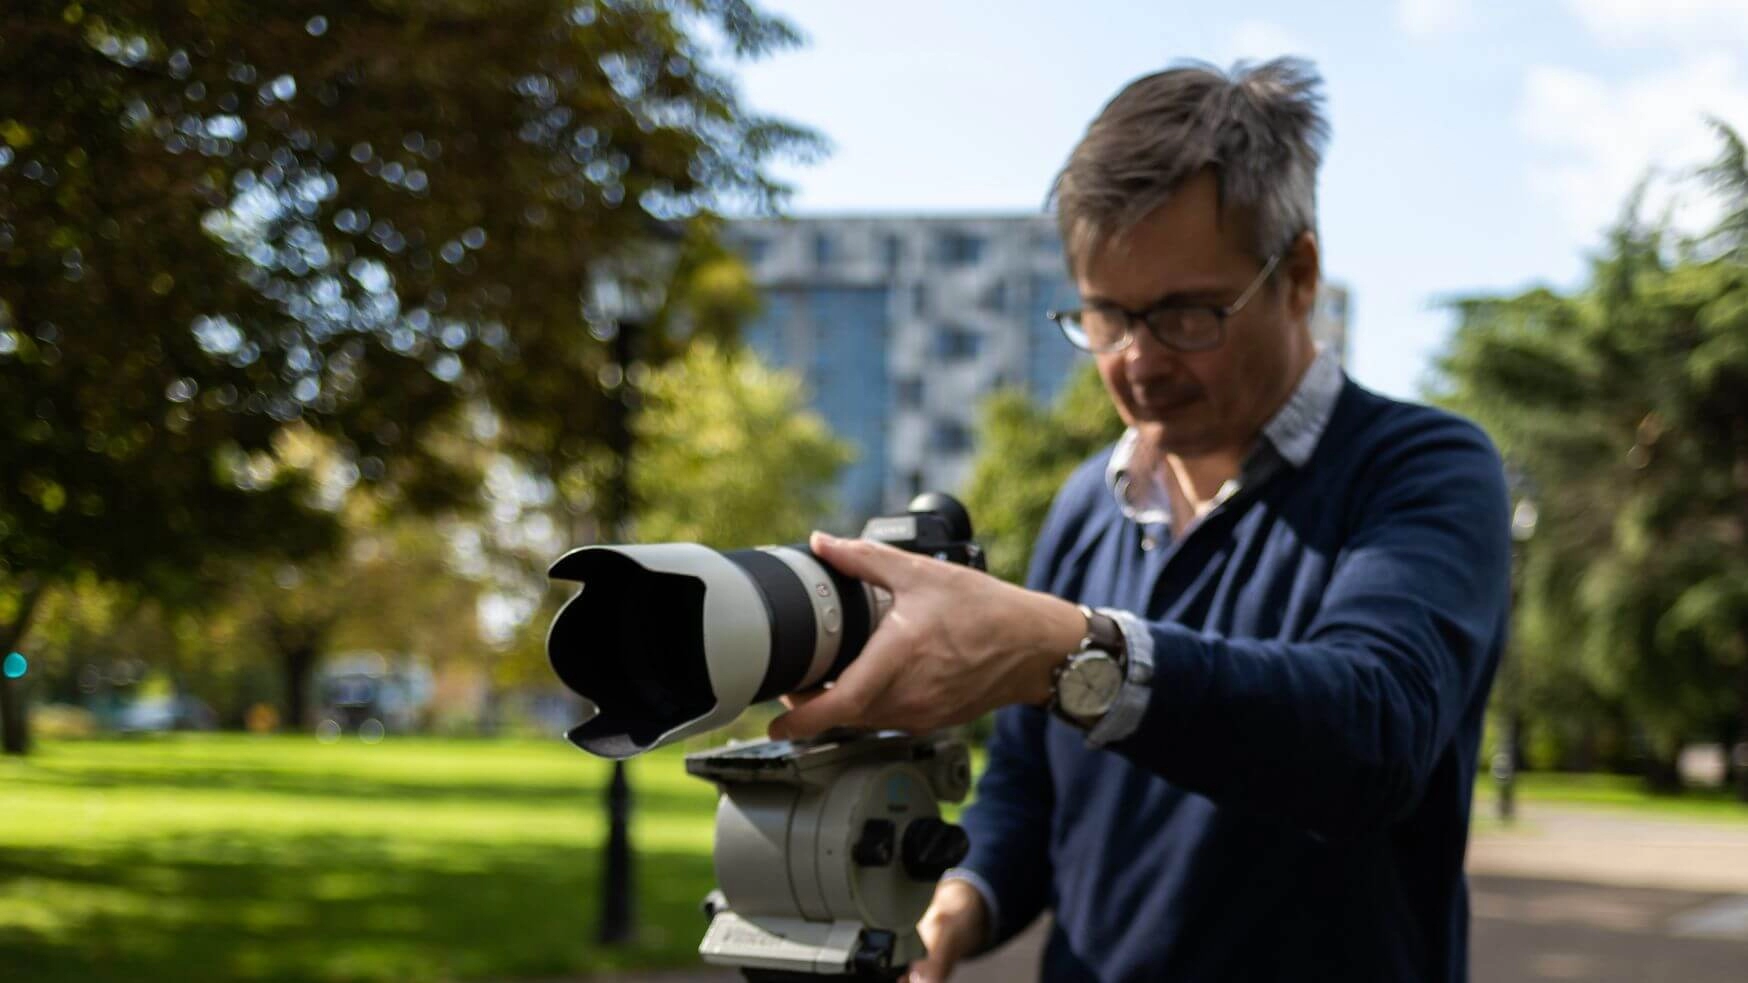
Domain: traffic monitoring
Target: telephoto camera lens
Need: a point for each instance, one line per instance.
(668, 640)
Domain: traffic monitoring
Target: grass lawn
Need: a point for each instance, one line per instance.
(1616, 792)
(230, 857)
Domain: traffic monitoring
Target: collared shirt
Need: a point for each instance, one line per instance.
(1288, 439)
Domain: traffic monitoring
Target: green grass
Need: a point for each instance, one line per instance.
(228, 857)
(246, 858)
(1624, 793)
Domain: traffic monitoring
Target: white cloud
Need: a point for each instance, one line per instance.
(1258, 40)
(1426, 18)
(1595, 139)
(1686, 22)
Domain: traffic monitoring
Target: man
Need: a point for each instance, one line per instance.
(1254, 760)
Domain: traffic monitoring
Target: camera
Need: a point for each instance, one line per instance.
(827, 851)
(669, 640)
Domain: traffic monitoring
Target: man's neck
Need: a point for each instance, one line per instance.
(1198, 480)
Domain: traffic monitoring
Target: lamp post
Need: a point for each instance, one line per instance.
(1523, 527)
(624, 298)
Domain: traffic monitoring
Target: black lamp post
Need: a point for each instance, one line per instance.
(625, 297)
(1523, 527)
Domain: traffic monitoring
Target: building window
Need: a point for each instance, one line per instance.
(949, 437)
(1046, 245)
(910, 393)
(953, 342)
(753, 249)
(994, 297)
(891, 252)
(825, 249)
(919, 299)
(959, 248)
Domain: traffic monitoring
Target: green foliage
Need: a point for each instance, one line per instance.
(728, 454)
(1025, 453)
(1624, 408)
(223, 221)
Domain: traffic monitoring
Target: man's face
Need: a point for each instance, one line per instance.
(1197, 403)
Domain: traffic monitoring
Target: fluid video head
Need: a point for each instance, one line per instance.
(669, 640)
(828, 852)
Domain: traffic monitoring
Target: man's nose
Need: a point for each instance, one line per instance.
(1145, 351)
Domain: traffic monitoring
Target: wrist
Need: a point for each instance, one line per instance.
(1060, 629)
(958, 907)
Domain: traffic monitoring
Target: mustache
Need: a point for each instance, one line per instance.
(1165, 392)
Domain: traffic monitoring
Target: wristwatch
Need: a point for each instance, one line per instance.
(1085, 686)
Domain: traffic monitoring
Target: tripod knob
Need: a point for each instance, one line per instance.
(931, 846)
(874, 849)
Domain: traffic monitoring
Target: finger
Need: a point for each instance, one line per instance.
(864, 559)
(847, 702)
(930, 970)
(938, 963)
(792, 700)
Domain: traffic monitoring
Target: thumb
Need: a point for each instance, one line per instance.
(876, 563)
(933, 969)
(936, 966)
(840, 705)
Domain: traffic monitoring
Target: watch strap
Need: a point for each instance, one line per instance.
(1103, 634)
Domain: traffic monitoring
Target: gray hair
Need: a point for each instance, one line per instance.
(1261, 128)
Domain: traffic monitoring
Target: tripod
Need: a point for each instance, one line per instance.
(828, 852)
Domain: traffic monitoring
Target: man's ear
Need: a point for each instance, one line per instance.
(1302, 265)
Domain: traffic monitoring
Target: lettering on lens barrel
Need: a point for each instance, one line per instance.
(669, 640)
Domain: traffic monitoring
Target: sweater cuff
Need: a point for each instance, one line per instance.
(992, 926)
(1125, 715)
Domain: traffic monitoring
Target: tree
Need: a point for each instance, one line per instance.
(1626, 404)
(220, 220)
(729, 454)
(1025, 453)
(394, 588)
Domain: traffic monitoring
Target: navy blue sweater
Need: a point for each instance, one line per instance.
(1295, 803)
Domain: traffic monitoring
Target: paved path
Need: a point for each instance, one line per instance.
(1565, 894)
(1617, 848)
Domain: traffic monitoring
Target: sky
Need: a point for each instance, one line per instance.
(1477, 146)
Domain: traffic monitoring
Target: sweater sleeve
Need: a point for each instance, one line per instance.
(1009, 820)
(1340, 731)
(1009, 825)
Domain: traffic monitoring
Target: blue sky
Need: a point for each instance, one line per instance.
(1477, 146)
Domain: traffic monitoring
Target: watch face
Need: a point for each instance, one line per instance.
(1089, 685)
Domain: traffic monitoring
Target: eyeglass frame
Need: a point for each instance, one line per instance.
(1145, 315)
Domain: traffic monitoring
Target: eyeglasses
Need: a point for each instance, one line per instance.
(1181, 327)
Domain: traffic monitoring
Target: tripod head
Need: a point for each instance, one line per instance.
(827, 852)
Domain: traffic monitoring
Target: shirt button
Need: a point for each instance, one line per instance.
(1148, 542)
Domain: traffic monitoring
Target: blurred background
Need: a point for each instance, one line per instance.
(325, 327)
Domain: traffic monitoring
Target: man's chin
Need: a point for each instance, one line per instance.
(1180, 437)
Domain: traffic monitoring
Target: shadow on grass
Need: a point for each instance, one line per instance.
(332, 908)
(588, 786)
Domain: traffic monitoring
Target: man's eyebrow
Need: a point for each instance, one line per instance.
(1192, 294)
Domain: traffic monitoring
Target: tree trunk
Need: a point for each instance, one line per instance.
(1663, 773)
(299, 665)
(14, 708)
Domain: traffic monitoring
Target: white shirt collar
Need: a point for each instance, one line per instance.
(1290, 436)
